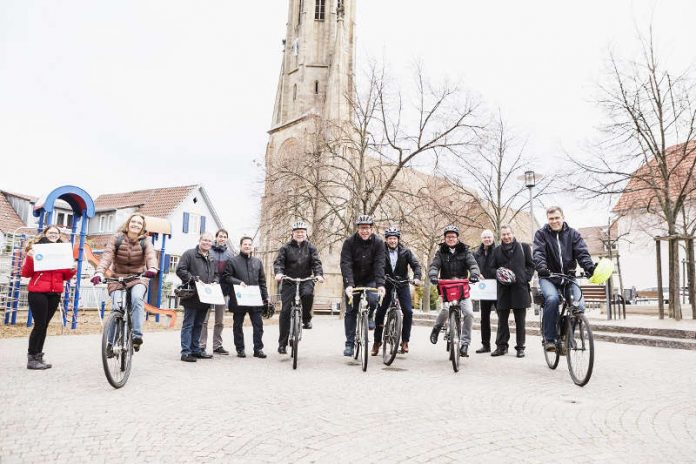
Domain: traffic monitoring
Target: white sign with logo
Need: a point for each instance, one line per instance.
(248, 296)
(210, 293)
(486, 289)
(52, 256)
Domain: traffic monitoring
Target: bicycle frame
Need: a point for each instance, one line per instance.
(361, 330)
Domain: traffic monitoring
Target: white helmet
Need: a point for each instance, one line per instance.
(299, 225)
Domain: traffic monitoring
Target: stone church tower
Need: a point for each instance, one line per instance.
(316, 75)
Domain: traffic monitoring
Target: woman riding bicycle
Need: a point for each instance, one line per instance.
(130, 252)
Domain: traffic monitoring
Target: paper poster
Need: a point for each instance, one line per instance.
(486, 289)
(52, 256)
(210, 293)
(248, 296)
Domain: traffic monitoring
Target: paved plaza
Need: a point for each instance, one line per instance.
(638, 407)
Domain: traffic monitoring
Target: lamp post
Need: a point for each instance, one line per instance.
(530, 182)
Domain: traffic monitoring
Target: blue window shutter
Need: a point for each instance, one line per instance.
(202, 224)
(186, 222)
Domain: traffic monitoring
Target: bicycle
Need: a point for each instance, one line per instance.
(452, 292)
(117, 337)
(296, 318)
(361, 341)
(393, 325)
(573, 335)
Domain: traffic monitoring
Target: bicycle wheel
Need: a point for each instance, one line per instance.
(455, 340)
(357, 340)
(364, 355)
(552, 357)
(579, 349)
(117, 364)
(392, 334)
(295, 343)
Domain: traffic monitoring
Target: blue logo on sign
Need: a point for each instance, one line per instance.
(39, 257)
(208, 290)
(482, 285)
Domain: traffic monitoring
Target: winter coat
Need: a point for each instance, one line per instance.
(132, 257)
(247, 269)
(517, 258)
(405, 258)
(220, 255)
(560, 251)
(45, 281)
(362, 261)
(194, 264)
(298, 260)
(453, 265)
(484, 258)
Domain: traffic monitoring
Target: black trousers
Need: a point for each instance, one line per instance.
(503, 336)
(43, 307)
(287, 296)
(486, 307)
(256, 323)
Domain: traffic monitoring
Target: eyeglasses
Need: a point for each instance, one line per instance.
(52, 233)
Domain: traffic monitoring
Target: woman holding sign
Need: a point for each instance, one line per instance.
(45, 288)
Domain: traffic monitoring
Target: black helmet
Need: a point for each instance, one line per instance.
(268, 310)
(364, 219)
(451, 228)
(185, 290)
(299, 225)
(392, 232)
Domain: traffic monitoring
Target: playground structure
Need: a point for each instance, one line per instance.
(83, 209)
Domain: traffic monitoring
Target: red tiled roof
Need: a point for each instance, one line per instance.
(153, 202)
(593, 237)
(21, 195)
(643, 189)
(9, 219)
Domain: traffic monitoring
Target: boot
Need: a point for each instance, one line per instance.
(435, 334)
(33, 362)
(375, 348)
(41, 360)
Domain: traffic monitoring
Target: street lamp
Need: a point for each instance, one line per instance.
(530, 182)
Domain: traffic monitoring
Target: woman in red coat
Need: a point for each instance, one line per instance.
(45, 288)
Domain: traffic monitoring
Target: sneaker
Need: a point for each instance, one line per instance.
(137, 341)
(188, 358)
(434, 335)
(282, 350)
(241, 354)
(375, 348)
(499, 352)
(520, 353)
(307, 325)
(484, 349)
(464, 351)
(221, 350)
(109, 350)
(348, 351)
(550, 346)
(259, 354)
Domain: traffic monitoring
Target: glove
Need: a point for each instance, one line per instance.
(349, 292)
(96, 280)
(150, 274)
(473, 278)
(543, 272)
(592, 270)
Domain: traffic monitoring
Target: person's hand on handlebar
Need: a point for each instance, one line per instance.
(543, 272)
(97, 279)
(279, 277)
(349, 292)
(320, 279)
(417, 282)
(150, 273)
(381, 291)
(433, 280)
(473, 278)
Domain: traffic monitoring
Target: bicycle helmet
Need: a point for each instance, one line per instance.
(505, 276)
(364, 219)
(602, 272)
(451, 228)
(392, 232)
(299, 225)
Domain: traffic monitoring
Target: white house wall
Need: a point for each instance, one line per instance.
(181, 241)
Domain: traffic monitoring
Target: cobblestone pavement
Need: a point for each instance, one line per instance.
(638, 407)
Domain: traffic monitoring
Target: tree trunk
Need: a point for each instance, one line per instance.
(691, 275)
(674, 296)
(660, 299)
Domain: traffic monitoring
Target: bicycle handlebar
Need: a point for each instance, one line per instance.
(363, 290)
(121, 280)
(392, 280)
(300, 279)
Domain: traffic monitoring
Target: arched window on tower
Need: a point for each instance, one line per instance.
(299, 12)
(320, 10)
(294, 92)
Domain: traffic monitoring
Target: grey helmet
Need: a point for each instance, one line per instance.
(299, 225)
(392, 232)
(364, 219)
(451, 228)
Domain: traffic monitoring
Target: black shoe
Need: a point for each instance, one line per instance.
(484, 349)
(202, 355)
(109, 350)
(259, 354)
(550, 346)
(307, 325)
(282, 350)
(434, 335)
(188, 358)
(520, 353)
(221, 350)
(241, 354)
(499, 352)
(463, 351)
(137, 341)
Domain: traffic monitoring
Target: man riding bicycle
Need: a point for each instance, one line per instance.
(362, 265)
(453, 260)
(557, 249)
(398, 259)
(297, 259)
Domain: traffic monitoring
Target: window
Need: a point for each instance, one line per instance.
(69, 221)
(294, 92)
(106, 223)
(316, 87)
(194, 223)
(299, 12)
(60, 219)
(173, 262)
(320, 10)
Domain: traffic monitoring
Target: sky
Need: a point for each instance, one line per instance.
(130, 95)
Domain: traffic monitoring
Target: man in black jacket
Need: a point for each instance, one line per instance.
(244, 270)
(484, 256)
(453, 260)
(398, 259)
(195, 264)
(297, 259)
(362, 265)
(558, 248)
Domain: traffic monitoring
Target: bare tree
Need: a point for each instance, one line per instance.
(648, 154)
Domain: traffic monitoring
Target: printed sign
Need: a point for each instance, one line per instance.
(52, 256)
(248, 296)
(486, 289)
(210, 293)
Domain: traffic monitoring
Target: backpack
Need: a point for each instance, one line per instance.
(121, 238)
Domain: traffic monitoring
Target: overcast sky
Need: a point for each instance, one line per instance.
(118, 96)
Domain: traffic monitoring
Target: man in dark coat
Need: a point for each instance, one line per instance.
(558, 248)
(297, 259)
(362, 265)
(516, 257)
(484, 258)
(244, 270)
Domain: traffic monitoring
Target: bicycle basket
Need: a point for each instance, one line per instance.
(185, 291)
(452, 290)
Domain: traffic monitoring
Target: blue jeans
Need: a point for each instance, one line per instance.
(351, 315)
(191, 329)
(137, 293)
(403, 293)
(552, 298)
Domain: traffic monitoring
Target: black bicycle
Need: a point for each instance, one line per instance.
(453, 291)
(574, 338)
(296, 318)
(391, 335)
(361, 341)
(117, 336)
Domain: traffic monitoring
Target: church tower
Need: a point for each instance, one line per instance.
(316, 76)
